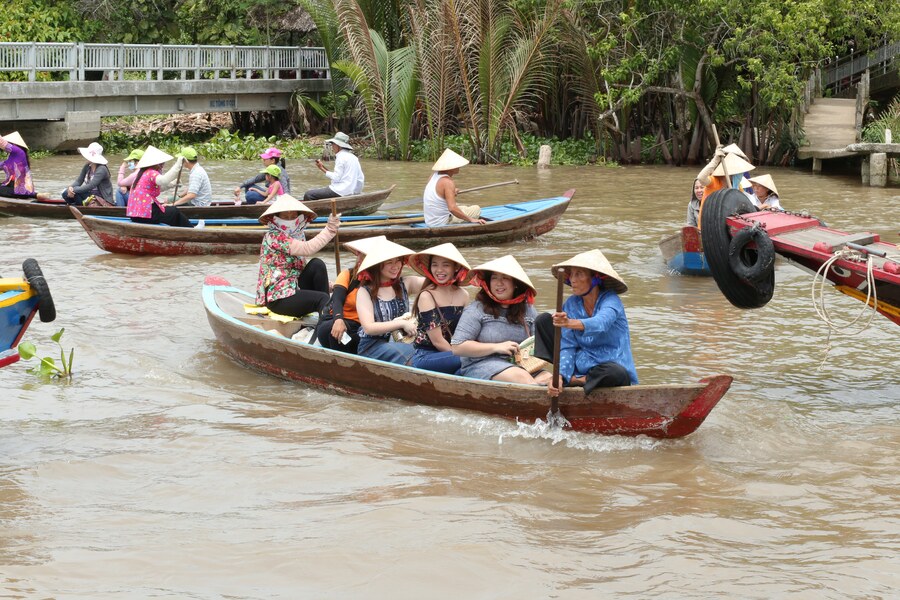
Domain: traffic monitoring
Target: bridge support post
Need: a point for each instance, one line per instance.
(77, 129)
(817, 165)
(878, 169)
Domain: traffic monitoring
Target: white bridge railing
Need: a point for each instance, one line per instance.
(91, 62)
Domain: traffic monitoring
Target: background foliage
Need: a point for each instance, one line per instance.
(633, 80)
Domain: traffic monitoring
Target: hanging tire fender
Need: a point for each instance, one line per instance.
(35, 278)
(751, 264)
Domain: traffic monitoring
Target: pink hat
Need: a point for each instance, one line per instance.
(272, 152)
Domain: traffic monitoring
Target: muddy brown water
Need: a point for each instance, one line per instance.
(167, 470)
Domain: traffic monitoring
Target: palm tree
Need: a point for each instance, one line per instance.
(385, 80)
(503, 62)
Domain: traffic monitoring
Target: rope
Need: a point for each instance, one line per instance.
(818, 296)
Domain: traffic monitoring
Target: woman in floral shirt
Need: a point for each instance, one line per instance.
(288, 284)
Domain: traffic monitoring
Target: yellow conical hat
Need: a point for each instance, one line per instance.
(15, 138)
(507, 265)
(765, 181)
(153, 156)
(735, 165)
(381, 251)
(449, 160)
(593, 260)
(287, 203)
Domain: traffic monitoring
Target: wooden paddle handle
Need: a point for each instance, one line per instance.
(177, 183)
(488, 186)
(557, 340)
(724, 168)
(337, 241)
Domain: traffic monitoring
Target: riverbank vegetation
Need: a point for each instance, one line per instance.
(608, 80)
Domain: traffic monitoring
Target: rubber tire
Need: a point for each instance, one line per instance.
(716, 239)
(751, 265)
(35, 278)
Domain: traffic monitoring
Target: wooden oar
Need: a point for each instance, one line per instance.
(319, 226)
(724, 167)
(337, 241)
(466, 191)
(177, 182)
(557, 341)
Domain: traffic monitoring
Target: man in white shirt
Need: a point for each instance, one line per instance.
(347, 178)
(199, 190)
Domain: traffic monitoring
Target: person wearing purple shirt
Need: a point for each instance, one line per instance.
(15, 171)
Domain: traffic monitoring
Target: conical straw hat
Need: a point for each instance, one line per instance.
(507, 265)
(15, 138)
(381, 251)
(735, 149)
(593, 260)
(153, 156)
(419, 262)
(449, 160)
(735, 165)
(363, 245)
(287, 203)
(766, 182)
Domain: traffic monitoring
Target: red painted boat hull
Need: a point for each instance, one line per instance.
(808, 244)
(662, 411)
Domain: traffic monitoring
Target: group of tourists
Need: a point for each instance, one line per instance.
(731, 160)
(425, 319)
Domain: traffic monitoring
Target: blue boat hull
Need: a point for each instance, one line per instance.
(17, 309)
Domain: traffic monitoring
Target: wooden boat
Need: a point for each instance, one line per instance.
(746, 244)
(360, 204)
(683, 252)
(506, 223)
(20, 300)
(663, 411)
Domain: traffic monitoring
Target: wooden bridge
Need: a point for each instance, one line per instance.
(833, 125)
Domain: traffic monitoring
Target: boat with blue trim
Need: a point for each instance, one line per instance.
(20, 300)
(683, 252)
(505, 223)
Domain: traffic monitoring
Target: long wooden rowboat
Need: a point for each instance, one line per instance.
(663, 411)
(360, 204)
(506, 223)
(683, 252)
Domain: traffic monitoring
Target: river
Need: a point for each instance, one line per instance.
(166, 470)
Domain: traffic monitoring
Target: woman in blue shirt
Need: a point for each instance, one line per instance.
(596, 344)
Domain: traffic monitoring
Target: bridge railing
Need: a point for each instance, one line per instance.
(846, 71)
(112, 61)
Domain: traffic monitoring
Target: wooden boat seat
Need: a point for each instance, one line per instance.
(230, 301)
(861, 239)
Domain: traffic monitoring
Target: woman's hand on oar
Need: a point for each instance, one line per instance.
(556, 384)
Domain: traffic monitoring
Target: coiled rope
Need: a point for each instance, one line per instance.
(818, 292)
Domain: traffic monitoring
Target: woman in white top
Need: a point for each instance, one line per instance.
(347, 178)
